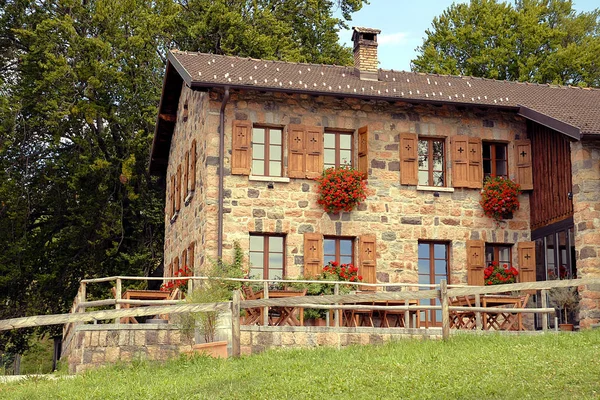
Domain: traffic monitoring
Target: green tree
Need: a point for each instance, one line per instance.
(542, 41)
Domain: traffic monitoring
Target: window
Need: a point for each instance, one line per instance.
(338, 249)
(267, 257)
(495, 160)
(337, 149)
(267, 151)
(431, 162)
(500, 253)
(433, 267)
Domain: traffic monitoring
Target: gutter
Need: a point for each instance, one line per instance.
(221, 173)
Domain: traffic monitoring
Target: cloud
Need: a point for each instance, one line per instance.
(392, 38)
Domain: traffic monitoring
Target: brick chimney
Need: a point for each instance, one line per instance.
(365, 52)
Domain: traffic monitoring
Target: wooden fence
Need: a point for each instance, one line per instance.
(328, 302)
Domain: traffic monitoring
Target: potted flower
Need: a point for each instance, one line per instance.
(181, 284)
(565, 299)
(341, 189)
(496, 274)
(499, 198)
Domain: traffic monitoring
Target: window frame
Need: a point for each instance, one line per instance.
(496, 247)
(430, 170)
(266, 252)
(430, 315)
(337, 149)
(493, 159)
(338, 255)
(267, 150)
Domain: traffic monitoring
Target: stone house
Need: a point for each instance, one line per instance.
(239, 140)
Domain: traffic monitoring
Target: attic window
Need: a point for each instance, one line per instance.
(185, 112)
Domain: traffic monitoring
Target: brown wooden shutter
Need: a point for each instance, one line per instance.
(363, 150)
(475, 164)
(313, 254)
(172, 197)
(524, 166)
(460, 161)
(186, 174)
(475, 262)
(169, 271)
(296, 150)
(314, 151)
(191, 257)
(192, 184)
(368, 260)
(175, 266)
(178, 190)
(184, 259)
(526, 254)
(240, 148)
(409, 167)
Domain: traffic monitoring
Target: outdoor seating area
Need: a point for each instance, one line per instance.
(493, 320)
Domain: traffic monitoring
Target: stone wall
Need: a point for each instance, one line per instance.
(93, 346)
(585, 159)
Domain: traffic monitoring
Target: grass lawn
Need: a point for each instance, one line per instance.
(554, 366)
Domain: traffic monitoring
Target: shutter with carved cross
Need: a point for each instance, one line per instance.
(313, 254)
(368, 260)
(460, 161)
(409, 167)
(524, 166)
(240, 149)
(475, 164)
(475, 262)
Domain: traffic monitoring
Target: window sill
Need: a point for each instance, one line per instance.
(188, 198)
(279, 179)
(436, 189)
(174, 217)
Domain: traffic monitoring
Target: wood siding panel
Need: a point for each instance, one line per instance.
(552, 179)
(409, 167)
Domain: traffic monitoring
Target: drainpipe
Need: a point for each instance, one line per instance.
(221, 173)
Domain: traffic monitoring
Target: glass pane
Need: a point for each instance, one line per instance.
(438, 179)
(424, 250)
(275, 136)
(423, 279)
(423, 145)
(256, 259)
(504, 255)
(438, 278)
(345, 141)
(275, 244)
(275, 168)
(439, 251)
(275, 274)
(487, 150)
(346, 246)
(329, 156)
(328, 165)
(345, 157)
(489, 254)
(501, 168)
(487, 167)
(329, 140)
(346, 260)
(438, 163)
(329, 246)
(256, 243)
(256, 273)
(423, 178)
(328, 258)
(440, 267)
(424, 267)
(438, 149)
(258, 151)
(258, 167)
(501, 152)
(258, 135)
(275, 153)
(276, 260)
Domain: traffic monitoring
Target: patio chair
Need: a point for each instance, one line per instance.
(361, 317)
(253, 315)
(462, 319)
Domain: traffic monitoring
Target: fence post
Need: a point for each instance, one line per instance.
(266, 309)
(118, 295)
(478, 323)
(82, 296)
(235, 324)
(445, 310)
(544, 294)
(338, 312)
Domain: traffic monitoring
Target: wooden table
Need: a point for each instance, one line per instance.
(287, 314)
(360, 317)
(136, 294)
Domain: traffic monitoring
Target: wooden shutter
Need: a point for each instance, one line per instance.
(368, 260)
(409, 167)
(524, 167)
(184, 259)
(475, 164)
(191, 257)
(314, 151)
(186, 174)
(526, 254)
(178, 190)
(175, 266)
(475, 262)
(172, 197)
(169, 271)
(192, 184)
(296, 161)
(363, 150)
(313, 254)
(240, 148)
(460, 161)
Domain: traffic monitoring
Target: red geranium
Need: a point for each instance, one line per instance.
(180, 284)
(341, 188)
(499, 197)
(495, 274)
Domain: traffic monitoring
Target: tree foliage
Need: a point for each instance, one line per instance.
(79, 89)
(542, 41)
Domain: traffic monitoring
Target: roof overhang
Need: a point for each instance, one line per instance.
(552, 123)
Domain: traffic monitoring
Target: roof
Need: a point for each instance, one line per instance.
(571, 110)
